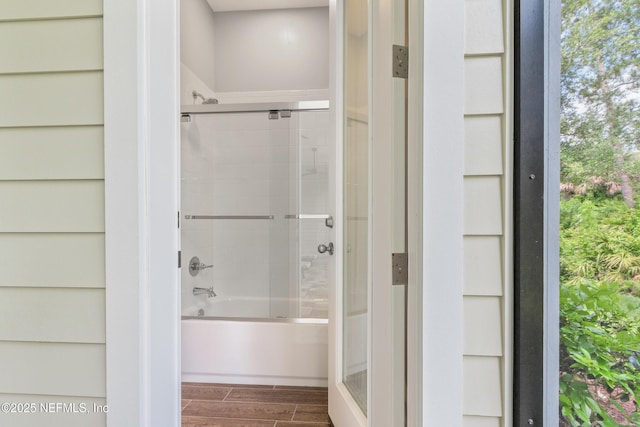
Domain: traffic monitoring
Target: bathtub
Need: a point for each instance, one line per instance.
(252, 350)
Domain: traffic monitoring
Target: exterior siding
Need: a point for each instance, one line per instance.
(487, 234)
(52, 273)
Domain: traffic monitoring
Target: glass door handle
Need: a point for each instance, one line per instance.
(322, 248)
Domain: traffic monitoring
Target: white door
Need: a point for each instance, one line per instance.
(367, 338)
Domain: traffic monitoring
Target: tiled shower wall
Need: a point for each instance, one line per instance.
(244, 164)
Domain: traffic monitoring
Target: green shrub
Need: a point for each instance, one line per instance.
(600, 342)
(600, 313)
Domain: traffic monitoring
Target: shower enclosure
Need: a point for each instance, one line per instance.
(254, 210)
(255, 241)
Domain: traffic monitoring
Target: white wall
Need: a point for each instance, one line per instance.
(286, 49)
(197, 45)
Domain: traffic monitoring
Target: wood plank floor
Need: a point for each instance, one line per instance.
(231, 405)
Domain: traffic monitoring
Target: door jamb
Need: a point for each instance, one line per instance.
(536, 212)
(141, 201)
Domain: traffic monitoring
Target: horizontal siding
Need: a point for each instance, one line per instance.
(43, 9)
(483, 145)
(58, 45)
(484, 92)
(483, 27)
(487, 181)
(52, 255)
(62, 369)
(92, 418)
(59, 99)
(50, 315)
(481, 422)
(483, 326)
(482, 385)
(43, 153)
(483, 205)
(483, 265)
(52, 260)
(52, 206)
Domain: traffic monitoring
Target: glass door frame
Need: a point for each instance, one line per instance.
(536, 212)
(343, 409)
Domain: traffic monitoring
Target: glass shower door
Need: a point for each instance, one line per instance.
(314, 218)
(254, 205)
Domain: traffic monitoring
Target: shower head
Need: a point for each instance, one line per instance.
(197, 95)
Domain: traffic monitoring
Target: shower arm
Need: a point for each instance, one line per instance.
(197, 95)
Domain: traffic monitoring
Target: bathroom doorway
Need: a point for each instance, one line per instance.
(277, 224)
(257, 192)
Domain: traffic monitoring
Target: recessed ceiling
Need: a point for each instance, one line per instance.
(235, 5)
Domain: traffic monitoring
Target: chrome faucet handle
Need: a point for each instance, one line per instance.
(195, 266)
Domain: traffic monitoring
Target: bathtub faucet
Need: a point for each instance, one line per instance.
(198, 266)
(201, 291)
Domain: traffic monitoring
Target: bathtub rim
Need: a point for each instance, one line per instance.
(298, 320)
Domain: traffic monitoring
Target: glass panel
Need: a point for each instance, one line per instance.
(313, 161)
(252, 198)
(356, 201)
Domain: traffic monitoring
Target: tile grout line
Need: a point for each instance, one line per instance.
(232, 419)
(224, 399)
(268, 393)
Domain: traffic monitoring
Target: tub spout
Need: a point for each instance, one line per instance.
(202, 291)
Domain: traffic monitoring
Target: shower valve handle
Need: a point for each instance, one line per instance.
(199, 266)
(322, 248)
(195, 266)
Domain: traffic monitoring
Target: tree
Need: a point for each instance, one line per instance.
(600, 126)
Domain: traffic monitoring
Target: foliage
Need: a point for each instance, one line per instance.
(600, 313)
(600, 235)
(600, 88)
(599, 341)
(600, 240)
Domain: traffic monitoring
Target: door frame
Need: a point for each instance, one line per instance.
(436, 193)
(341, 403)
(141, 201)
(536, 212)
(141, 110)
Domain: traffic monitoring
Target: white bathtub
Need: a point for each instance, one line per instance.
(255, 351)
